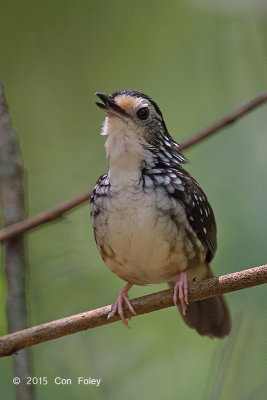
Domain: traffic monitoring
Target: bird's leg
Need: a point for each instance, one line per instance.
(122, 297)
(181, 291)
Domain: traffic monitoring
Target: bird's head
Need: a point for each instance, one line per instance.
(134, 111)
(134, 117)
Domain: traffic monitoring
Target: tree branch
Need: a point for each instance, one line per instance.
(43, 217)
(12, 199)
(142, 305)
(225, 121)
(57, 211)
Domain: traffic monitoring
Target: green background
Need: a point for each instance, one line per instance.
(198, 60)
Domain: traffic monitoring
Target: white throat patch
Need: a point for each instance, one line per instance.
(124, 149)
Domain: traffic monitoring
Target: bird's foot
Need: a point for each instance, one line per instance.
(122, 297)
(181, 291)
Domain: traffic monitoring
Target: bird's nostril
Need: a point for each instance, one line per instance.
(109, 104)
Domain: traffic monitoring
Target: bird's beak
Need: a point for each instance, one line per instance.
(109, 105)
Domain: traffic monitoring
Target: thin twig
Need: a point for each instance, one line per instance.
(225, 121)
(142, 305)
(45, 216)
(12, 199)
(57, 211)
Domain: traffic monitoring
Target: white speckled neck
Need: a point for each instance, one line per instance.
(125, 151)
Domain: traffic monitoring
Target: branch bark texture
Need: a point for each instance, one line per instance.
(12, 200)
(142, 305)
(57, 211)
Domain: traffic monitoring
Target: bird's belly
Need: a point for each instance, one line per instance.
(139, 241)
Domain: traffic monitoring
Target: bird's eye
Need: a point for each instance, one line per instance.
(143, 113)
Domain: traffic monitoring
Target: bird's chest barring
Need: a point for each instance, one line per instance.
(137, 238)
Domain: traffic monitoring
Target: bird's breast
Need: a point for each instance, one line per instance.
(142, 235)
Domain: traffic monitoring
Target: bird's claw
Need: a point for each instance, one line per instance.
(181, 291)
(122, 297)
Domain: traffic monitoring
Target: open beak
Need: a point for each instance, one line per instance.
(109, 105)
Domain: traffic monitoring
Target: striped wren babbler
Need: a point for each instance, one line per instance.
(152, 221)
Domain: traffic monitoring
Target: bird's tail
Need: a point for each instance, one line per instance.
(210, 317)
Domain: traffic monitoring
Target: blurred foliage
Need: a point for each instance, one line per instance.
(198, 61)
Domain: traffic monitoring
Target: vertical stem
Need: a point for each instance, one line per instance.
(12, 200)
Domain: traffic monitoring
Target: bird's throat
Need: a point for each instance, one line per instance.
(126, 154)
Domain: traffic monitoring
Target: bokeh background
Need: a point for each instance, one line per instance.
(198, 60)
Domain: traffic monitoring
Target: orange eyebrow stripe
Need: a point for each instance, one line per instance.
(127, 103)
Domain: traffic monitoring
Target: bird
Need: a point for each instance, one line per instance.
(152, 221)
